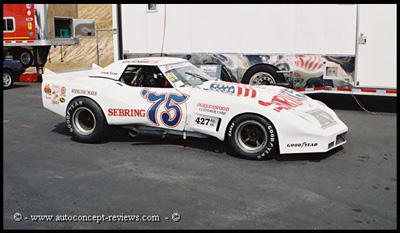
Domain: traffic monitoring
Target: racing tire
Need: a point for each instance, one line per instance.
(252, 137)
(25, 56)
(86, 121)
(7, 79)
(263, 75)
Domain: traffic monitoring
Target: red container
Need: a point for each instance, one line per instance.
(28, 77)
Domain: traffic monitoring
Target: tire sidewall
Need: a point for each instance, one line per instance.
(100, 125)
(263, 68)
(269, 149)
(11, 77)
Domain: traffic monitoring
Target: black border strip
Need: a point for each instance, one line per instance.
(119, 22)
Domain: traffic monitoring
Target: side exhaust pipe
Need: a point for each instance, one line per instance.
(134, 132)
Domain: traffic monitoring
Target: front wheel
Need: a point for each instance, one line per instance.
(86, 121)
(252, 137)
(7, 79)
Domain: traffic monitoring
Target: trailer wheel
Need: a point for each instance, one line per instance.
(225, 75)
(262, 75)
(252, 137)
(86, 120)
(7, 79)
(25, 56)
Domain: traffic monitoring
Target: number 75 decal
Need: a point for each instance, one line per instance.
(171, 102)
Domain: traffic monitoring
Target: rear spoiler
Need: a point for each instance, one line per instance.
(96, 67)
(48, 72)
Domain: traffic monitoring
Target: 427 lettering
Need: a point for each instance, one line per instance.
(202, 121)
(171, 102)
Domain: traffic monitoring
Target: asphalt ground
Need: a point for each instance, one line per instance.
(46, 172)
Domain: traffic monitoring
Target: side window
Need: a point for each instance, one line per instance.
(144, 76)
(8, 24)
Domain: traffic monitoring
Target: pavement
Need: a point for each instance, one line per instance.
(193, 183)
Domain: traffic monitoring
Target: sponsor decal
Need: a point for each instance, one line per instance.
(239, 90)
(108, 73)
(172, 102)
(29, 19)
(55, 94)
(212, 108)
(141, 61)
(85, 92)
(205, 121)
(303, 144)
(47, 90)
(63, 90)
(28, 6)
(29, 26)
(126, 112)
(286, 99)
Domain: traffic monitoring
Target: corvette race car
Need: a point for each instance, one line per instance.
(171, 96)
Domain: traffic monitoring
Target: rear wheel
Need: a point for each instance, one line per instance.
(7, 79)
(86, 120)
(252, 137)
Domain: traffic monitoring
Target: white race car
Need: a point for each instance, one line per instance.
(171, 96)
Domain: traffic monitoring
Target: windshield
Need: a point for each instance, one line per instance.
(186, 75)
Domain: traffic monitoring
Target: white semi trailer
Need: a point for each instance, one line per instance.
(336, 48)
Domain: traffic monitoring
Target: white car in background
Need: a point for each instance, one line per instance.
(172, 96)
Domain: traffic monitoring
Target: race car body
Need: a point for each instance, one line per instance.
(172, 96)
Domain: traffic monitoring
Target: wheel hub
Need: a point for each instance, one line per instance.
(262, 78)
(6, 80)
(251, 136)
(25, 58)
(84, 121)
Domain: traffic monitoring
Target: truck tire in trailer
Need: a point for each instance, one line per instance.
(262, 75)
(23, 55)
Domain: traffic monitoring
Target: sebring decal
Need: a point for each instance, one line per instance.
(172, 115)
(286, 99)
(212, 108)
(85, 92)
(301, 145)
(127, 112)
(239, 90)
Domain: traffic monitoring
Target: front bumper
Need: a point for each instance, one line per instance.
(314, 141)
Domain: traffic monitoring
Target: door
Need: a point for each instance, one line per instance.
(144, 96)
(376, 46)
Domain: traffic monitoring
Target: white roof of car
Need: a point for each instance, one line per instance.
(115, 70)
(152, 61)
